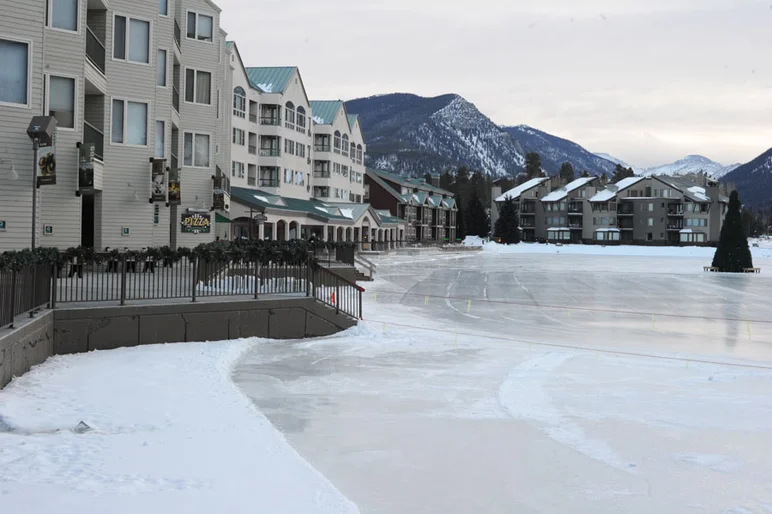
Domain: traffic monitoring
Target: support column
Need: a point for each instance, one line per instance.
(299, 233)
(261, 231)
(286, 231)
(334, 234)
(325, 232)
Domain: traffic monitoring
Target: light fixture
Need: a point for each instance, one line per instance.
(14, 175)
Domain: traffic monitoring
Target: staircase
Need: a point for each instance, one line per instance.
(350, 273)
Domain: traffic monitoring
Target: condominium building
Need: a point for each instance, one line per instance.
(139, 90)
(429, 212)
(635, 210)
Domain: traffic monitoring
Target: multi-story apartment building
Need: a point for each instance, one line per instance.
(128, 81)
(428, 211)
(338, 153)
(635, 210)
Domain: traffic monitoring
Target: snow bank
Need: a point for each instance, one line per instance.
(169, 433)
(616, 250)
(475, 241)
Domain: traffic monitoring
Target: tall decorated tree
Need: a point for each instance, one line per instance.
(733, 254)
(506, 226)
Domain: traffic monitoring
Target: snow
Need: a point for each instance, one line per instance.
(476, 241)
(268, 88)
(522, 188)
(560, 194)
(318, 120)
(692, 164)
(699, 193)
(612, 190)
(169, 433)
(261, 198)
(347, 213)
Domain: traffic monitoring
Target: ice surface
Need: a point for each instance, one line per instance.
(537, 382)
(168, 433)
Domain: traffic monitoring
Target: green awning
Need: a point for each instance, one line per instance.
(219, 218)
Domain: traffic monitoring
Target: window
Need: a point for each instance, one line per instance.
(359, 154)
(131, 40)
(129, 125)
(63, 14)
(14, 72)
(651, 207)
(289, 115)
(198, 86)
(160, 74)
(160, 139)
(299, 178)
(196, 150)
(300, 119)
(337, 142)
(200, 26)
(345, 145)
(238, 137)
(237, 169)
(344, 170)
(650, 222)
(301, 150)
(163, 7)
(61, 101)
(289, 147)
(240, 102)
(288, 176)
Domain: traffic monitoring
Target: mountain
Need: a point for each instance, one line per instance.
(692, 164)
(413, 135)
(636, 169)
(554, 151)
(753, 181)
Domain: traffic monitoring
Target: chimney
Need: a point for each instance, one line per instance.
(436, 180)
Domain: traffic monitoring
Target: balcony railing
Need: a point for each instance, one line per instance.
(177, 34)
(321, 148)
(575, 225)
(252, 118)
(675, 212)
(321, 174)
(269, 182)
(91, 134)
(269, 121)
(95, 50)
(270, 152)
(252, 149)
(173, 161)
(176, 99)
(575, 208)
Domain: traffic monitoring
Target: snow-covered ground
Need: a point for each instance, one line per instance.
(169, 433)
(479, 382)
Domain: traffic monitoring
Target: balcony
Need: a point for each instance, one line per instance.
(625, 210)
(178, 35)
(253, 149)
(252, 118)
(575, 225)
(675, 226)
(270, 152)
(269, 182)
(176, 99)
(322, 174)
(270, 121)
(322, 148)
(95, 50)
(675, 210)
(91, 134)
(575, 208)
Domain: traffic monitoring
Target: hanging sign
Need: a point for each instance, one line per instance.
(175, 196)
(218, 196)
(86, 167)
(46, 164)
(158, 187)
(196, 223)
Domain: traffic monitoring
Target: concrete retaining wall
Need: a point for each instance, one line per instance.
(24, 347)
(78, 330)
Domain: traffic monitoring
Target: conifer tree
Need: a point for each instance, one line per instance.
(733, 254)
(506, 226)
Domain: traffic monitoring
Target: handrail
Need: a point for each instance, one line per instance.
(335, 291)
(366, 263)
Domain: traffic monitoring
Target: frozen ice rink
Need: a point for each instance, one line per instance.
(550, 382)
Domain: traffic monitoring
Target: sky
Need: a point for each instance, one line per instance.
(647, 81)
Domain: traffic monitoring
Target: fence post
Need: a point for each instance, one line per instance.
(124, 264)
(360, 304)
(13, 296)
(337, 295)
(308, 276)
(195, 277)
(34, 291)
(54, 282)
(257, 277)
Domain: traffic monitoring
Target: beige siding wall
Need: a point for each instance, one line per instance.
(241, 153)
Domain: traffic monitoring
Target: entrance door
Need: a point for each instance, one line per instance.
(87, 221)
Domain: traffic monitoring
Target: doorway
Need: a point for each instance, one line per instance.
(87, 221)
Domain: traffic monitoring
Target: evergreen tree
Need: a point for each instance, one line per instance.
(532, 165)
(620, 172)
(428, 178)
(445, 180)
(733, 254)
(506, 226)
(585, 174)
(460, 219)
(604, 178)
(566, 173)
(477, 222)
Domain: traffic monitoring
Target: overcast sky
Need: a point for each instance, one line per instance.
(648, 81)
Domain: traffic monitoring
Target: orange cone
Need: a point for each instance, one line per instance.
(333, 297)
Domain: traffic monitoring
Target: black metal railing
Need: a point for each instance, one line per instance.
(269, 182)
(91, 134)
(176, 99)
(95, 50)
(177, 34)
(335, 291)
(253, 149)
(24, 290)
(253, 118)
(270, 152)
(269, 121)
(321, 174)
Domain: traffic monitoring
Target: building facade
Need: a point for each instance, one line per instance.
(635, 210)
(134, 85)
(429, 212)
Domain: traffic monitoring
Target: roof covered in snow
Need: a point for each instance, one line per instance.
(515, 193)
(562, 193)
(613, 189)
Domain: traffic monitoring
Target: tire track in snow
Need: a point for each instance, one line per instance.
(523, 396)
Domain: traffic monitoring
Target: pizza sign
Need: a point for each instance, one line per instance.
(195, 223)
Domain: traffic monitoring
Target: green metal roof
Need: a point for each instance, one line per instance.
(324, 111)
(420, 198)
(229, 44)
(271, 80)
(261, 201)
(378, 180)
(352, 120)
(409, 182)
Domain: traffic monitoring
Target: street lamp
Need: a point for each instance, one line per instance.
(42, 132)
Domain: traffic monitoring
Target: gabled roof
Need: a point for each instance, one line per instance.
(515, 192)
(691, 190)
(614, 189)
(261, 201)
(449, 203)
(420, 198)
(560, 194)
(408, 182)
(325, 110)
(386, 187)
(230, 46)
(271, 80)
(352, 120)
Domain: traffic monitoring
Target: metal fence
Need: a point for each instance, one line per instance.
(24, 290)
